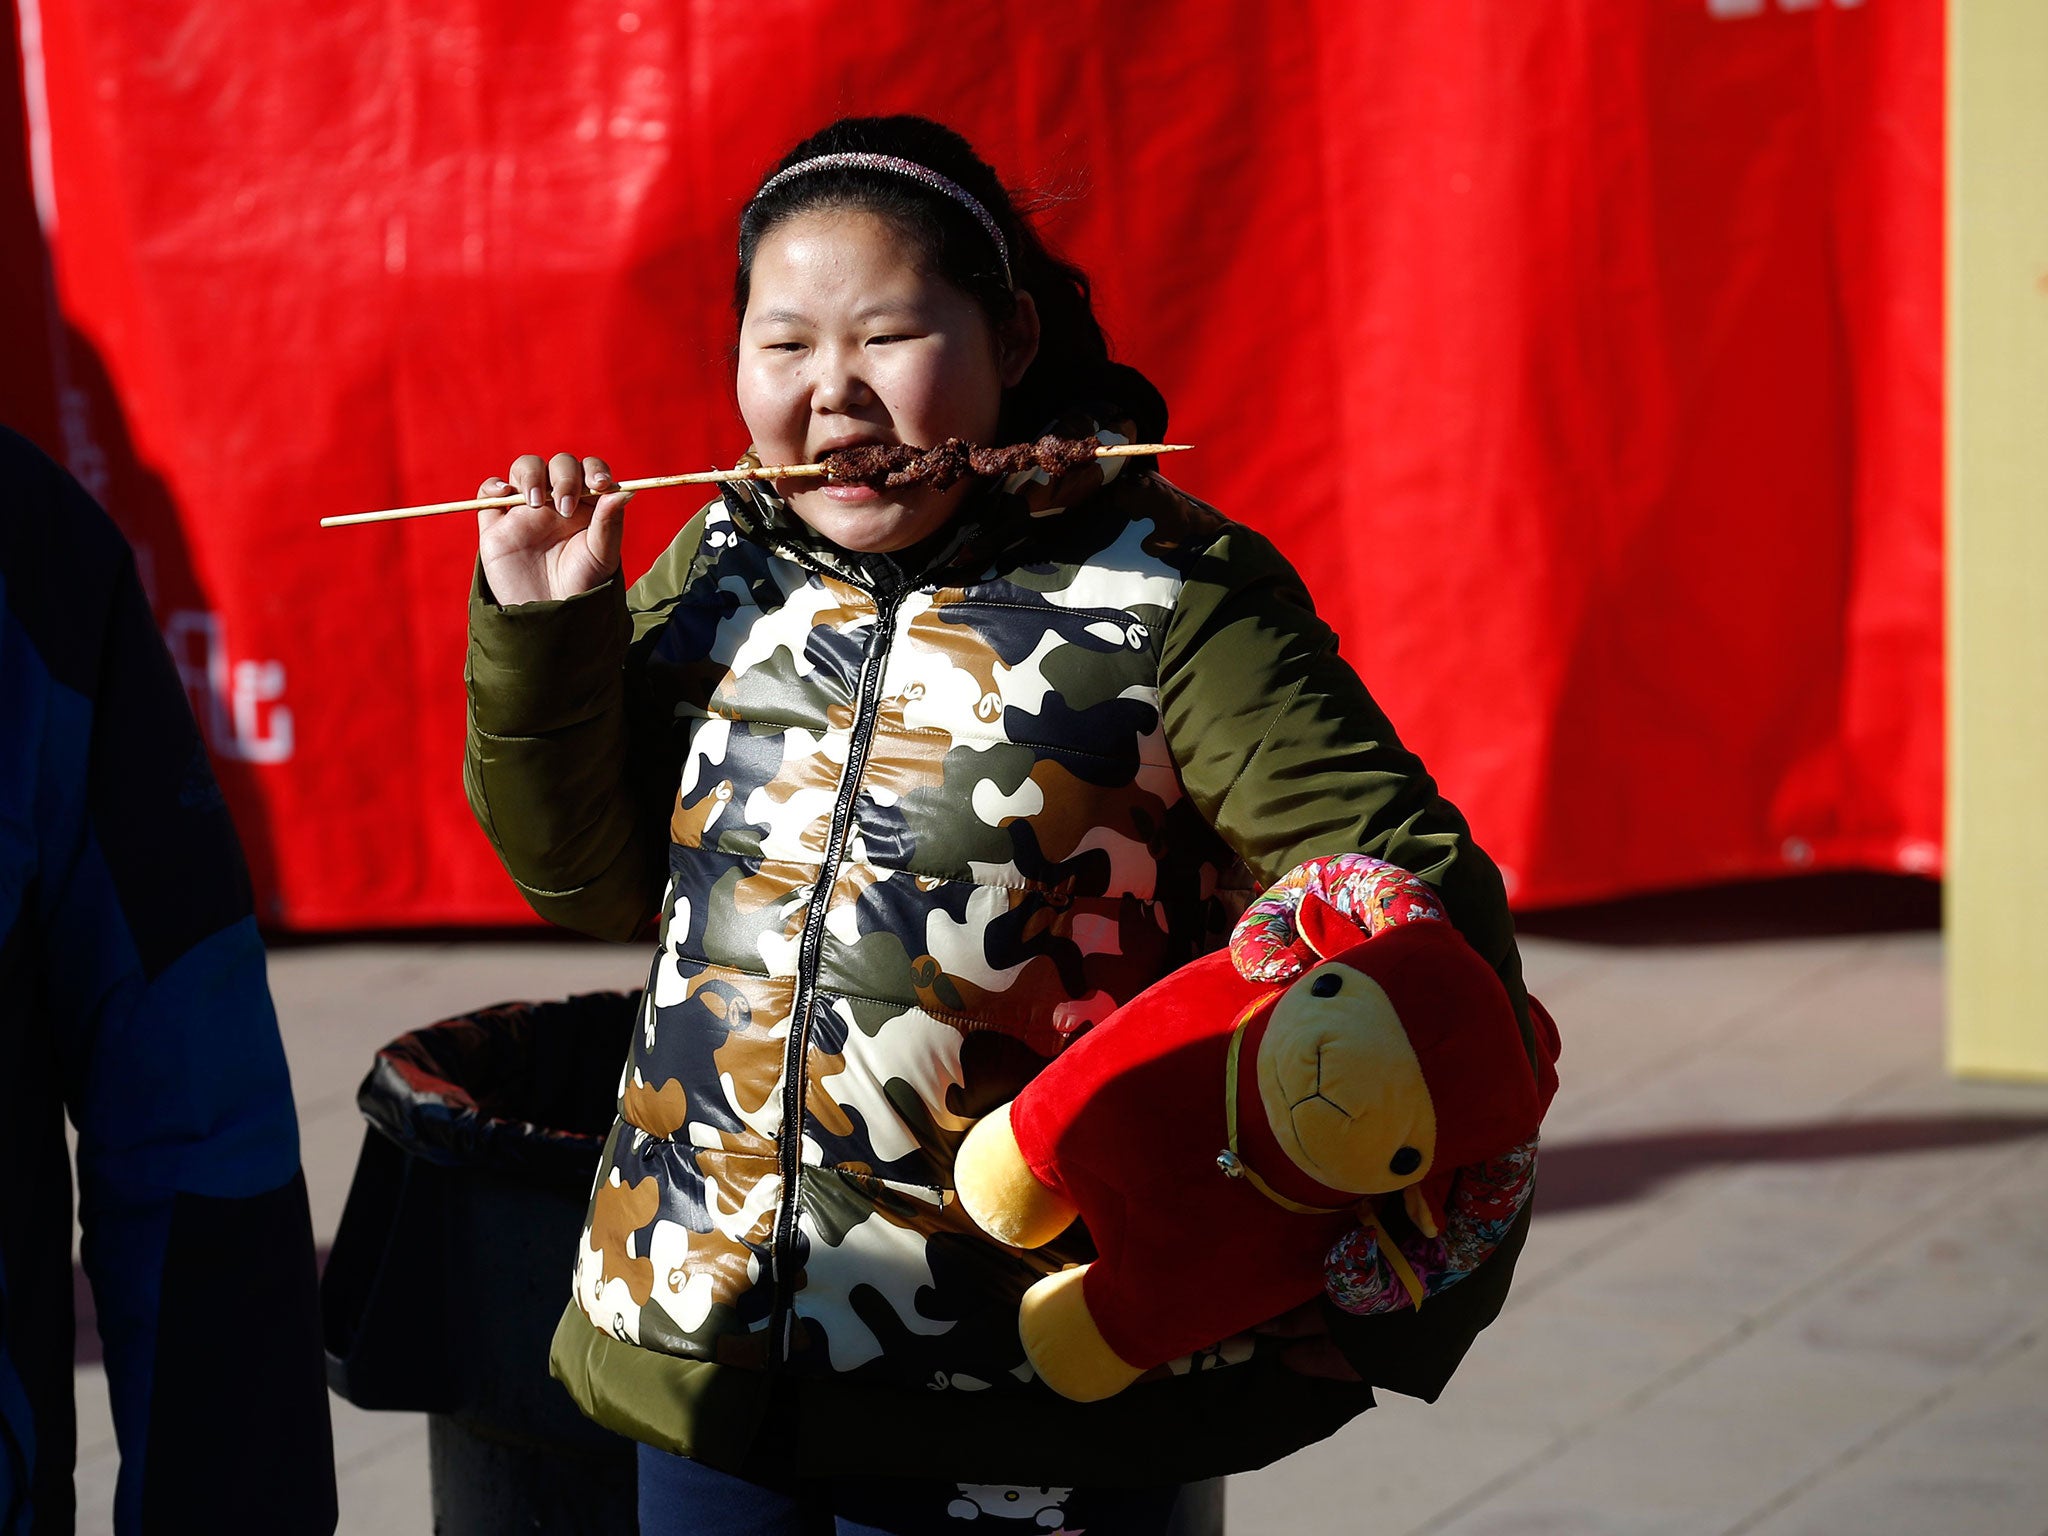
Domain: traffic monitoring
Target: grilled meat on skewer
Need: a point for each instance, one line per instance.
(898, 465)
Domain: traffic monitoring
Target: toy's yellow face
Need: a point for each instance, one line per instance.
(1341, 1086)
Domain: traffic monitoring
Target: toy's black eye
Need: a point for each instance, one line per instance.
(1406, 1161)
(1326, 985)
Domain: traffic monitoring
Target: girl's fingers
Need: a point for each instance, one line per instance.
(530, 477)
(1310, 1350)
(565, 482)
(493, 487)
(1319, 1357)
(607, 524)
(1304, 1322)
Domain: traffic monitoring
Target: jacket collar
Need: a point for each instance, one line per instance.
(992, 518)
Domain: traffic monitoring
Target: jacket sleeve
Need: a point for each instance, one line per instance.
(148, 977)
(571, 758)
(1287, 756)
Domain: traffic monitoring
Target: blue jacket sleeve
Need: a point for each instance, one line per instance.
(123, 869)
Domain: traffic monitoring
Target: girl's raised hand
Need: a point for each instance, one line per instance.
(565, 540)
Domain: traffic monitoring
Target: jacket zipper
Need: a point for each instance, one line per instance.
(795, 1061)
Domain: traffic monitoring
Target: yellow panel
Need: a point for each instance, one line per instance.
(1997, 885)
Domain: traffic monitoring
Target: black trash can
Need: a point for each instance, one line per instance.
(453, 1260)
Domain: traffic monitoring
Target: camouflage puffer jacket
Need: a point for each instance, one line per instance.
(919, 817)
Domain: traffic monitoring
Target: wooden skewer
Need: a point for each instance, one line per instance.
(702, 477)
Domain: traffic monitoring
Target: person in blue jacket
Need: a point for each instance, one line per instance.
(133, 998)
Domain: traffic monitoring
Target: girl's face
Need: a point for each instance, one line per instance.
(847, 339)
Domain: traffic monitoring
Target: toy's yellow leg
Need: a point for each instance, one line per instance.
(1000, 1192)
(1063, 1344)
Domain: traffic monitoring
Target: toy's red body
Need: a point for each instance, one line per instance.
(1128, 1122)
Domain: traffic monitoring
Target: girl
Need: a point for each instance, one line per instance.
(917, 783)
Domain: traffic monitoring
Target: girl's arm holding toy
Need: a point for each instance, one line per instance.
(1289, 757)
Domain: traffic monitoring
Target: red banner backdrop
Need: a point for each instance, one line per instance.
(1585, 354)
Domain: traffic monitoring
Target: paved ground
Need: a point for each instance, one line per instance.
(1786, 1279)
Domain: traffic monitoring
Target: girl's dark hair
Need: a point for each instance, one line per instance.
(1073, 366)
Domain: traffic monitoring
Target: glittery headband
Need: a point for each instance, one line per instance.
(896, 166)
